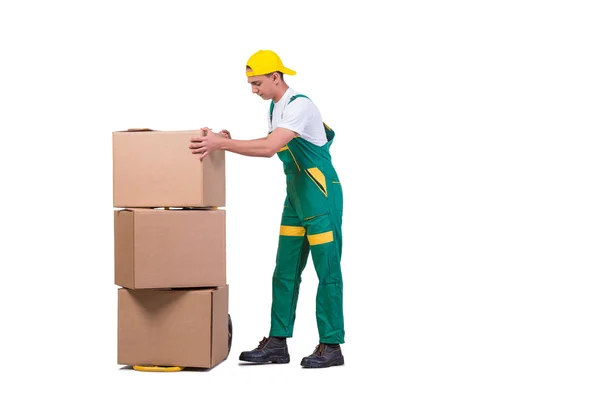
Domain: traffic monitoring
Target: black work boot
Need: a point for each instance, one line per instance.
(271, 349)
(325, 355)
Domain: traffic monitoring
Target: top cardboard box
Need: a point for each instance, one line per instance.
(157, 169)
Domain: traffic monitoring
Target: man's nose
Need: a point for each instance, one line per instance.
(254, 89)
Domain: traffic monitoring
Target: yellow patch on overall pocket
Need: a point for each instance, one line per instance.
(318, 178)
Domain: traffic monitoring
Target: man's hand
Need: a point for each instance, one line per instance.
(225, 133)
(263, 147)
(209, 142)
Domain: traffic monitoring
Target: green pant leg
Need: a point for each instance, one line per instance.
(292, 255)
(325, 238)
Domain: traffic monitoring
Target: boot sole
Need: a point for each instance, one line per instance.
(272, 359)
(317, 365)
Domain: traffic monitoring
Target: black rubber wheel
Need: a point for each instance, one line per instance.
(230, 333)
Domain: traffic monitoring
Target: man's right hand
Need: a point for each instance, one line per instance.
(225, 133)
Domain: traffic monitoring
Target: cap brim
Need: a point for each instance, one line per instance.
(288, 71)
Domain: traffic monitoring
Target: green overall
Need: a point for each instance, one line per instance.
(311, 222)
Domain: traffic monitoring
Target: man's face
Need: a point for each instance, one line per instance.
(263, 86)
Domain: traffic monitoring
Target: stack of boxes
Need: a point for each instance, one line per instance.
(170, 255)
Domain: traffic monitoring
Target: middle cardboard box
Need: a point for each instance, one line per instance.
(169, 248)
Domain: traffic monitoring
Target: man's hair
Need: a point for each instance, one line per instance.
(271, 74)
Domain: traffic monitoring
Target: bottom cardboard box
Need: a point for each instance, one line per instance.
(173, 327)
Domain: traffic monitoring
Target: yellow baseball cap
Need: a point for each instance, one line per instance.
(266, 61)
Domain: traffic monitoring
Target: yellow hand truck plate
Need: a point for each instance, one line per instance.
(156, 368)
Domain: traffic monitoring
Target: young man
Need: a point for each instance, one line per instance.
(311, 221)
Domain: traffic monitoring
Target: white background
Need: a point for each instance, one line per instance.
(467, 144)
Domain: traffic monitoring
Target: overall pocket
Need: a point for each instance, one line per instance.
(338, 196)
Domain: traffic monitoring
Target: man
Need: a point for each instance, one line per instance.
(312, 213)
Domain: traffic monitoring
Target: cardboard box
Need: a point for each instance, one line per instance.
(156, 248)
(184, 328)
(157, 169)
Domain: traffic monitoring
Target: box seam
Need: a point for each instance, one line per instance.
(212, 327)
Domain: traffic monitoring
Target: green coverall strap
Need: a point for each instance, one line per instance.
(272, 107)
(294, 97)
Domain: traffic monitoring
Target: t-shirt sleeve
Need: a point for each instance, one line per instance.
(297, 115)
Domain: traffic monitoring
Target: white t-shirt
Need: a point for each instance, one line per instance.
(300, 116)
